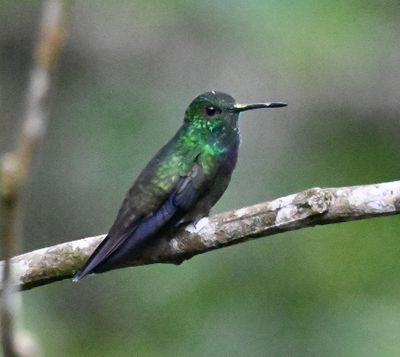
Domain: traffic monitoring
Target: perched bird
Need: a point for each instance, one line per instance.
(180, 184)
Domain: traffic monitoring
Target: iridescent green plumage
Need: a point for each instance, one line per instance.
(180, 184)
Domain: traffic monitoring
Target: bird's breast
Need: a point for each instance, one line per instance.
(217, 155)
(230, 157)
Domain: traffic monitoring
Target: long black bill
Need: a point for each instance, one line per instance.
(244, 107)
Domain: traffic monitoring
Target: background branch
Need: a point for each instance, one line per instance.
(16, 165)
(312, 207)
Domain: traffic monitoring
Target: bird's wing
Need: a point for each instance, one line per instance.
(133, 225)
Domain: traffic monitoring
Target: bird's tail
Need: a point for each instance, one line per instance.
(106, 255)
(115, 251)
(91, 263)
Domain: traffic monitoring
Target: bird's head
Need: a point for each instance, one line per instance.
(213, 110)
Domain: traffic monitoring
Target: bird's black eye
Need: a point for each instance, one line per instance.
(211, 111)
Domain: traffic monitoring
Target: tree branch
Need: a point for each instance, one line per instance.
(312, 207)
(16, 166)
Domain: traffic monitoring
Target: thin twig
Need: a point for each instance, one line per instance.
(16, 166)
(312, 207)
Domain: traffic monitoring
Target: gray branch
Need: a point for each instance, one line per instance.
(15, 167)
(312, 207)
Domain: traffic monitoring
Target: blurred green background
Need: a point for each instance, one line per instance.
(127, 73)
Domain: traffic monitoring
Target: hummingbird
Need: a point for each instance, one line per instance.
(180, 184)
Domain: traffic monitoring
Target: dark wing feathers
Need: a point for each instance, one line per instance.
(130, 248)
(100, 254)
(118, 246)
(189, 188)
